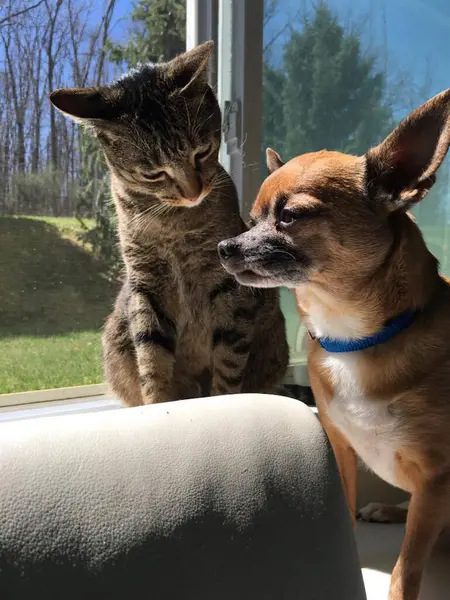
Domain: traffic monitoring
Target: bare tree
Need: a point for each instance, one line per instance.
(104, 29)
(17, 63)
(89, 54)
(6, 121)
(84, 68)
(52, 51)
(38, 93)
(18, 13)
(45, 44)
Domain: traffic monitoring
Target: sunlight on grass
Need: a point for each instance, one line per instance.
(37, 363)
(62, 223)
(69, 228)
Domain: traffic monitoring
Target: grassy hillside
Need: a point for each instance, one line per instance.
(54, 299)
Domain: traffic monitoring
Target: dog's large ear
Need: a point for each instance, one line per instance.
(273, 160)
(88, 104)
(402, 169)
(191, 66)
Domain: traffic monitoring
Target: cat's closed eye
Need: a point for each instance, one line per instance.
(204, 153)
(156, 176)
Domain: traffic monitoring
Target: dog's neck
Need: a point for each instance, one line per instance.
(324, 316)
(346, 309)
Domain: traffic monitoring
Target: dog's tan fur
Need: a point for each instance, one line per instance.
(363, 261)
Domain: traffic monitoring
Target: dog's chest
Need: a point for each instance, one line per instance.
(365, 422)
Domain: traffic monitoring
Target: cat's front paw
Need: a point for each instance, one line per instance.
(157, 396)
(376, 512)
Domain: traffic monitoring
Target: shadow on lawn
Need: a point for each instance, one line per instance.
(48, 285)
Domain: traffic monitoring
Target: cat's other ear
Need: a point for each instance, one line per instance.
(191, 67)
(273, 160)
(88, 104)
(402, 169)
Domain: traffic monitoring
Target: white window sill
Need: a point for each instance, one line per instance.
(52, 408)
(63, 394)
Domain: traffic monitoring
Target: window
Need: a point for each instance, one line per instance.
(58, 257)
(293, 76)
(338, 74)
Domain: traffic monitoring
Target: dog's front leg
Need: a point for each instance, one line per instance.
(346, 462)
(426, 518)
(343, 451)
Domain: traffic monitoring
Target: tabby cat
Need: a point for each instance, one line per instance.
(181, 327)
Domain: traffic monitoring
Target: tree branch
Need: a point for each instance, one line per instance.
(20, 12)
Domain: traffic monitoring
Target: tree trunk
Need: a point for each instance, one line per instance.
(36, 151)
(21, 151)
(53, 133)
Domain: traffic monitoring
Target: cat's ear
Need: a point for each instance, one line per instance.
(88, 104)
(273, 160)
(402, 169)
(191, 67)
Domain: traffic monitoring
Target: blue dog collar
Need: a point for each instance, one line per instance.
(388, 331)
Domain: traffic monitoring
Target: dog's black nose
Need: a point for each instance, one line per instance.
(227, 249)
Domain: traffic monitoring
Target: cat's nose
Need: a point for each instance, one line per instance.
(192, 197)
(191, 188)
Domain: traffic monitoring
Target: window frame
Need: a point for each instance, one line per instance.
(240, 86)
(52, 395)
(240, 93)
(202, 17)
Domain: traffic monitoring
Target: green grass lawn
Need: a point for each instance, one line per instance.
(38, 363)
(54, 299)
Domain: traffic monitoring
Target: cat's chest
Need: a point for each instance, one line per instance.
(194, 256)
(365, 421)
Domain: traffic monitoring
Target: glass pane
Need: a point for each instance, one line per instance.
(58, 256)
(338, 74)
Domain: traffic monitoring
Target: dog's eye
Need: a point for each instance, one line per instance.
(287, 217)
(156, 176)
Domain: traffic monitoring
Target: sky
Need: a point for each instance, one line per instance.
(121, 19)
(411, 36)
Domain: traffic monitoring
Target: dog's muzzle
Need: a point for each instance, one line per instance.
(230, 254)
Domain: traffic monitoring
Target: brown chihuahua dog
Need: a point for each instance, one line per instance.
(336, 229)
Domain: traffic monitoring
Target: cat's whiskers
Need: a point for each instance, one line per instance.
(140, 215)
(159, 210)
(132, 144)
(143, 141)
(134, 220)
(149, 222)
(144, 218)
(188, 116)
(198, 128)
(220, 180)
(198, 110)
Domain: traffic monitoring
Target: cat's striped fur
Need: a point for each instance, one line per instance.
(181, 326)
